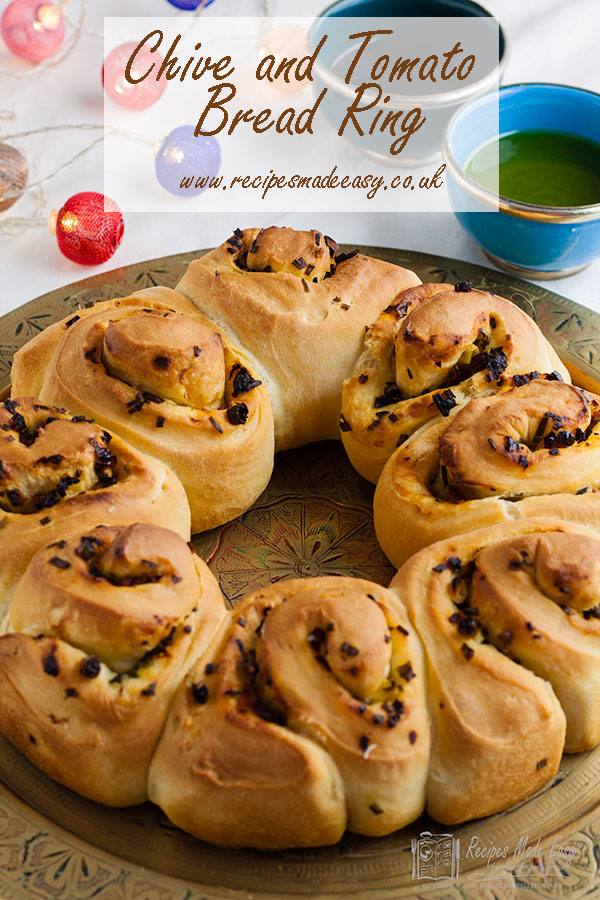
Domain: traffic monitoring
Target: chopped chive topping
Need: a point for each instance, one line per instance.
(405, 671)
(467, 651)
(90, 667)
(200, 693)
(50, 664)
(238, 414)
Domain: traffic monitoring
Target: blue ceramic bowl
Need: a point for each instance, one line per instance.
(536, 241)
(439, 107)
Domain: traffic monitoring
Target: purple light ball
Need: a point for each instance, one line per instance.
(182, 157)
(189, 4)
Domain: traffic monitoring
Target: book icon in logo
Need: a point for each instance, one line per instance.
(435, 857)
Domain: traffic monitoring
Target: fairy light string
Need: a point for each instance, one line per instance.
(14, 225)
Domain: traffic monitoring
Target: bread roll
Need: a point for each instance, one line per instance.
(103, 628)
(498, 730)
(61, 475)
(156, 371)
(431, 351)
(538, 596)
(529, 450)
(299, 307)
(306, 717)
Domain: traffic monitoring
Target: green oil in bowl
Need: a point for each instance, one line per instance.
(544, 168)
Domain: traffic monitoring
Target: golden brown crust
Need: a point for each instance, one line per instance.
(427, 355)
(171, 358)
(305, 717)
(304, 336)
(498, 730)
(59, 475)
(538, 595)
(531, 450)
(86, 711)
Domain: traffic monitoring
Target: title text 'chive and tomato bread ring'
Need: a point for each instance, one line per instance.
(170, 383)
(60, 475)
(299, 308)
(103, 628)
(498, 729)
(431, 351)
(531, 450)
(306, 717)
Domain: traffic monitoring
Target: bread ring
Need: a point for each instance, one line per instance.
(105, 626)
(497, 729)
(299, 307)
(430, 352)
(156, 371)
(60, 475)
(529, 450)
(306, 717)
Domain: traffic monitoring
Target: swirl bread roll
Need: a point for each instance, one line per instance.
(498, 729)
(299, 307)
(154, 370)
(60, 475)
(431, 351)
(529, 450)
(538, 596)
(306, 717)
(105, 626)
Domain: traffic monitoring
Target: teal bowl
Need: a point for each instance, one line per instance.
(541, 242)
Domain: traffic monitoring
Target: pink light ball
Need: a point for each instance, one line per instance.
(32, 29)
(132, 96)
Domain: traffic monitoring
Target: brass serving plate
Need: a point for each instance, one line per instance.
(314, 518)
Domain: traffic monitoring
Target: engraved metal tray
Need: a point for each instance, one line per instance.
(313, 519)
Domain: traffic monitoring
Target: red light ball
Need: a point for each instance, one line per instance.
(132, 96)
(89, 228)
(32, 29)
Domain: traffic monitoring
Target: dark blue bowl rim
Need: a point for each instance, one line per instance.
(434, 99)
(507, 204)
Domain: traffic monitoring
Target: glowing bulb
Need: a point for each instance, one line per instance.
(68, 223)
(49, 16)
(174, 155)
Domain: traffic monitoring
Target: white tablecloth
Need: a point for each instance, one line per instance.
(550, 40)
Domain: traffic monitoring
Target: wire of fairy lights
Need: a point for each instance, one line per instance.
(12, 225)
(25, 181)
